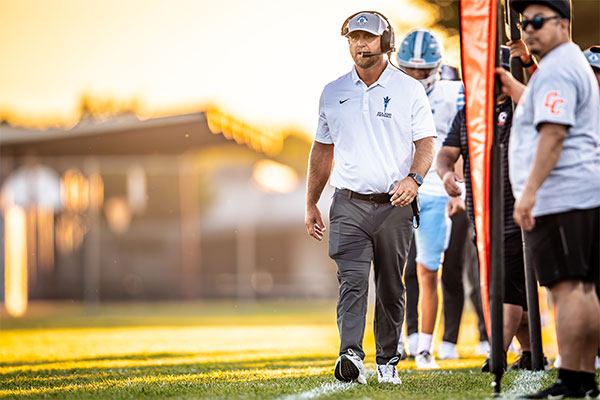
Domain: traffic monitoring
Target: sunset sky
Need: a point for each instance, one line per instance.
(263, 61)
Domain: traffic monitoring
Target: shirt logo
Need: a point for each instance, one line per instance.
(385, 114)
(552, 102)
(345, 100)
(362, 20)
(502, 118)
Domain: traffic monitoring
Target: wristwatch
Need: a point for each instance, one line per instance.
(529, 63)
(417, 178)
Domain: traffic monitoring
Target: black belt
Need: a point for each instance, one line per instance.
(380, 198)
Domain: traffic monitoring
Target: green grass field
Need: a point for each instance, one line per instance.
(274, 350)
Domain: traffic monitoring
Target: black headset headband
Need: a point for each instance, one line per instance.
(387, 37)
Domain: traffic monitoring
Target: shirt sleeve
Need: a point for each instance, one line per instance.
(453, 138)
(555, 101)
(323, 135)
(422, 124)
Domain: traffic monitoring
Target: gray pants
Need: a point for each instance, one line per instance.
(360, 232)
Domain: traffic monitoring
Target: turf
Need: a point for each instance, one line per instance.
(212, 350)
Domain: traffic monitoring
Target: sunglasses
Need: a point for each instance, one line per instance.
(537, 22)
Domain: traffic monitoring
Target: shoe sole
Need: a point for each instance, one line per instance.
(346, 371)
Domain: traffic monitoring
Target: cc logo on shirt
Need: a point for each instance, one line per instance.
(552, 101)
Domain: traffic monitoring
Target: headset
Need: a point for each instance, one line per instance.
(387, 37)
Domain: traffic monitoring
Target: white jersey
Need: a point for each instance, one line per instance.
(446, 98)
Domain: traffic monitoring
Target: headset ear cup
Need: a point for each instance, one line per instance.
(385, 41)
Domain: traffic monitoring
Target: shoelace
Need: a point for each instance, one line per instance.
(352, 354)
(389, 368)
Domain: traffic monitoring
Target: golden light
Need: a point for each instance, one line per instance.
(136, 189)
(70, 230)
(272, 176)
(15, 253)
(96, 191)
(264, 140)
(75, 191)
(118, 214)
(45, 245)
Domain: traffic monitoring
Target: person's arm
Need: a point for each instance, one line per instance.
(518, 48)
(445, 167)
(547, 153)
(405, 191)
(510, 86)
(319, 169)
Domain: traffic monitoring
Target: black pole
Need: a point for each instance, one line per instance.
(497, 236)
(533, 306)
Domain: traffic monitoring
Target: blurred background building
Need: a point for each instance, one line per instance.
(191, 206)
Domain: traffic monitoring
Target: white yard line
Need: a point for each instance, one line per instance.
(325, 388)
(526, 382)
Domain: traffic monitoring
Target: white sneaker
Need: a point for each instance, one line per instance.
(424, 360)
(447, 351)
(387, 373)
(413, 343)
(402, 350)
(557, 362)
(349, 367)
(483, 348)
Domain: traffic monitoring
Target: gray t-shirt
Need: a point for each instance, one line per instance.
(563, 91)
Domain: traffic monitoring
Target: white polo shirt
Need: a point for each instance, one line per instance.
(373, 128)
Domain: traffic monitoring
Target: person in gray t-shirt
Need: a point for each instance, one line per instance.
(554, 159)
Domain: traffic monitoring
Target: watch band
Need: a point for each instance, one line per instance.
(530, 63)
(417, 178)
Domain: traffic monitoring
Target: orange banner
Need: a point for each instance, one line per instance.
(478, 43)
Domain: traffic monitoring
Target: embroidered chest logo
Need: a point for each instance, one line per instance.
(553, 100)
(385, 114)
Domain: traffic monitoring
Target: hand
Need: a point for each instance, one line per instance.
(523, 210)
(455, 205)
(314, 222)
(510, 86)
(518, 48)
(404, 192)
(450, 179)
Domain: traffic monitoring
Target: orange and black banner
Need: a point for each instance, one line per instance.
(478, 22)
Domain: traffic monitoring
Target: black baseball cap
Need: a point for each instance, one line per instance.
(563, 7)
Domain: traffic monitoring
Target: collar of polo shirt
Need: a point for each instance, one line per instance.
(383, 79)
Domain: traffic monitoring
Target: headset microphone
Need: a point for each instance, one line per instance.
(367, 54)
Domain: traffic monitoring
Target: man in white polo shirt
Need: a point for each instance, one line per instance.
(376, 123)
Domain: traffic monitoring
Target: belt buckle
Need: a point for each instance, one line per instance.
(372, 198)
